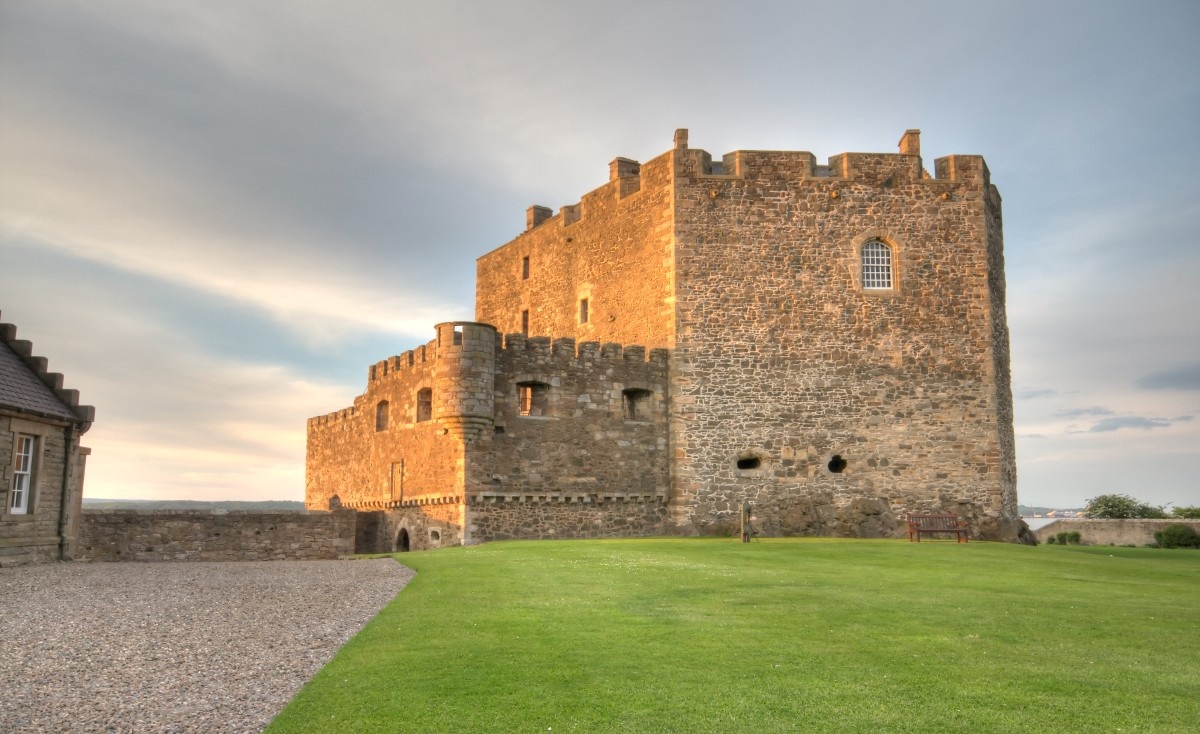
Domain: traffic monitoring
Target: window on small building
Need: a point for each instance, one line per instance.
(525, 268)
(22, 481)
(635, 404)
(381, 415)
(533, 398)
(525, 323)
(583, 310)
(424, 404)
(876, 266)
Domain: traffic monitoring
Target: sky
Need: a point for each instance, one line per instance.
(214, 216)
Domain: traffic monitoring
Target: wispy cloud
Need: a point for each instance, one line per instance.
(1132, 421)
(1186, 377)
(1077, 412)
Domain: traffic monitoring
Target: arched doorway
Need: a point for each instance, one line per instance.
(402, 541)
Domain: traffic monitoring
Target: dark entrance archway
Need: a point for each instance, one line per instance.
(402, 541)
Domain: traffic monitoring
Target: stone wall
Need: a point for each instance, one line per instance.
(507, 517)
(202, 535)
(1110, 532)
(410, 528)
(832, 408)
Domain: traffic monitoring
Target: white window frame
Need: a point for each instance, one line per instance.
(878, 272)
(24, 468)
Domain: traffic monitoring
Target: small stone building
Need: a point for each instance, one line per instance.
(827, 342)
(41, 461)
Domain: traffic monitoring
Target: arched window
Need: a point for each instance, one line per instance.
(424, 404)
(381, 415)
(876, 266)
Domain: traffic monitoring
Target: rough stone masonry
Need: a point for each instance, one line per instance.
(825, 341)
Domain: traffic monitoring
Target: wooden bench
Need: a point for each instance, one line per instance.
(932, 524)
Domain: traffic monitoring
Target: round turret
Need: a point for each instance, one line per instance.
(464, 378)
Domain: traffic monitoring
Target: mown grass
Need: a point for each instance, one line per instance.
(701, 635)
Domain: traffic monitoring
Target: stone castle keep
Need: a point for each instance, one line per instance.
(825, 341)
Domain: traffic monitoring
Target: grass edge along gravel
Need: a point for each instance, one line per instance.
(700, 635)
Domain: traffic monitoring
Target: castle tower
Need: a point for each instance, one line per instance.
(839, 345)
(463, 390)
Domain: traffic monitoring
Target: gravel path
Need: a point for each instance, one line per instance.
(175, 647)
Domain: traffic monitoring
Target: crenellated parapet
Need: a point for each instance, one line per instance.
(564, 352)
(886, 170)
(877, 169)
(337, 417)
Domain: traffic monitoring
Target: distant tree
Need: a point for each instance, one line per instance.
(1188, 513)
(1120, 507)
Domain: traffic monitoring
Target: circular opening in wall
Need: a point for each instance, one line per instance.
(837, 464)
(435, 535)
(749, 462)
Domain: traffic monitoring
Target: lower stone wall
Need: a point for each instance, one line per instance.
(539, 517)
(413, 528)
(1110, 532)
(203, 535)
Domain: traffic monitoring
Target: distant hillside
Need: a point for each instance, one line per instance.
(1027, 511)
(101, 504)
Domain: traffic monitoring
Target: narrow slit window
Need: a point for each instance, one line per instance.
(876, 266)
(424, 405)
(525, 323)
(525, 268)
(381, 415)
(583, 310)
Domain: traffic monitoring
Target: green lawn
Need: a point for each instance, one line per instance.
(703, 635)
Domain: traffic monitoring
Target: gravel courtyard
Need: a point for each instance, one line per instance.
(175, 647)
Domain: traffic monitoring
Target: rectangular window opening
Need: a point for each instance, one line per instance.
(635, 404)
(525, 323)
(525, 268)
(533, 399)
(583, 310)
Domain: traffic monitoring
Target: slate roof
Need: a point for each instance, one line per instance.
(26, 385)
